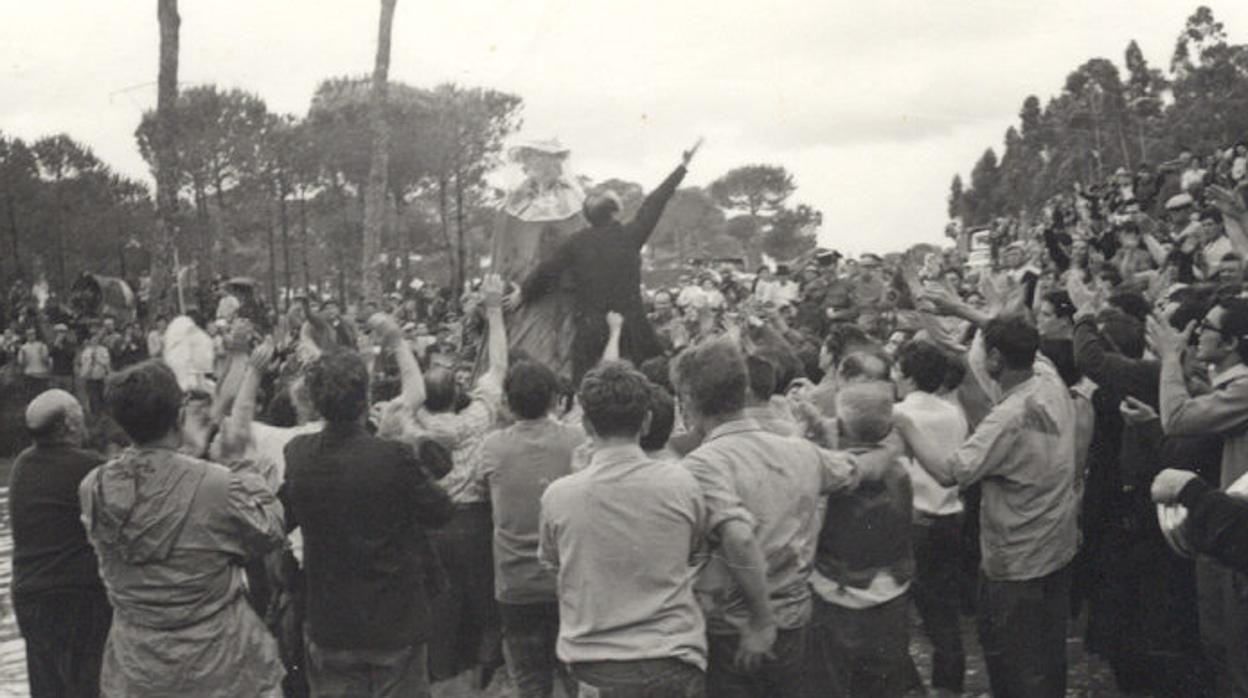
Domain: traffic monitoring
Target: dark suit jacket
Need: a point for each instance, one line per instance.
(364, 505)
(603, 264)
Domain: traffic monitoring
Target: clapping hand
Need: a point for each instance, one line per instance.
(1164, 340)
(1136, 412)
(1083, 298)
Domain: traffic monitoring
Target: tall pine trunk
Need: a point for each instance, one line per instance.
(162, 294)
(461, 254)
(284, 219)
(307, 243)
(15, 235)
(379, 162)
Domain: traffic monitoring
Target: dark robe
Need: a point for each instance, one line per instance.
(603, 265)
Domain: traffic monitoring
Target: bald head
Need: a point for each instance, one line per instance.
(865, 410)
(55, 417)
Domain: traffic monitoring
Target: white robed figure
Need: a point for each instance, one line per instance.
(535, 217)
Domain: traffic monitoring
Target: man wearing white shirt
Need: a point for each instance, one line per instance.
(918, 374)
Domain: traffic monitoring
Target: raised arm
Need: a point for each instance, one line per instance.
(244, 411)
(615, 327)
(492, 288)
(387, 333)
(1122, 374)
(1234, 215)
(647, 217)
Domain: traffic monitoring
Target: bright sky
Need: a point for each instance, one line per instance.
(872, 105)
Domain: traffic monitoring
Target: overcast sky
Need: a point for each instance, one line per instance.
(873, 105)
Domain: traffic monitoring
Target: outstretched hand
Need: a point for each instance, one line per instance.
(687, 156)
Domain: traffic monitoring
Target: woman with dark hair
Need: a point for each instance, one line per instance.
(172, 533)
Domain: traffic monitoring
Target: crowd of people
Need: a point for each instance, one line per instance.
(365, 500)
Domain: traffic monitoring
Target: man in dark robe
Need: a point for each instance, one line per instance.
(603, 265)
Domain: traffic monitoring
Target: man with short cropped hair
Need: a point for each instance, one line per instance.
(364, 506)
(62, 610)
(623, 533)
(860, 633)
(936, 535)
(518, 464)
(1023, 453)
(763, 494)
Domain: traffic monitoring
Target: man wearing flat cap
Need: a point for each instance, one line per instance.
(62, 610)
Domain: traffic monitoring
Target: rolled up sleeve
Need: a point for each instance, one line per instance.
(838, 471)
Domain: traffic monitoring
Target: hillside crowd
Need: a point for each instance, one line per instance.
(365, 500)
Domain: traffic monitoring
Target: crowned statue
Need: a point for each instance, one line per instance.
(535, 218)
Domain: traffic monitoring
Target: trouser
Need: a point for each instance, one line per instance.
(465, 613)
(1022, 627)
(399, 673)
(95, 396)
(646, 678)
(936, 590)
(65, 634)
(1222, 596)
(530, 632)
(860, 652)
(781, 677)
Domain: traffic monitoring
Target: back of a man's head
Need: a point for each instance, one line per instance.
(923, 363)
(843, 338)
(712, 378)
(865, 411)
(864, 366)
(762, 377)
(662, 419)
(658, 370)
(440, 389)
(338, 384)
(616, 399)
(1015, 338)
(530, 388)
(54, 418)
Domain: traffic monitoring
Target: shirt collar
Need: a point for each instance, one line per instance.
(1233, 373)
(607, 456)
(735, 426)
